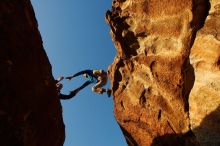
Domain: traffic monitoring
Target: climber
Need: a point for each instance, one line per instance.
(59, 86)
(99, 77)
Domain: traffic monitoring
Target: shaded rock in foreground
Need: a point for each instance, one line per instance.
(30, 111)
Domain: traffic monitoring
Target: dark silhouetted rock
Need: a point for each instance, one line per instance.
(30, 111)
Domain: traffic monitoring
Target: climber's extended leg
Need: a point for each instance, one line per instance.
(74, 92)
(64, 97)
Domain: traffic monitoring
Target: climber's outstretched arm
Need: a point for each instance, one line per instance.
(79, 73)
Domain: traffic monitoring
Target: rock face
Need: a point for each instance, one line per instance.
(166, 75)
(30, 111)
(204, 98)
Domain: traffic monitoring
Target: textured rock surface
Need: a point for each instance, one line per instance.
(152, 74)
(30, 112)
(205, 96)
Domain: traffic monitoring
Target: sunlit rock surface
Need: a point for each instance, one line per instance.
(166, 71)
(30, 111)
(205, 96)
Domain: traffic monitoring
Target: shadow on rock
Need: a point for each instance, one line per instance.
(207, 134)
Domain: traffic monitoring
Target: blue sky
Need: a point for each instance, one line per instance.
(76, 37)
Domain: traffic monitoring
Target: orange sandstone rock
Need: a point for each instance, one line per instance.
(204, 98)
(153, 74)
